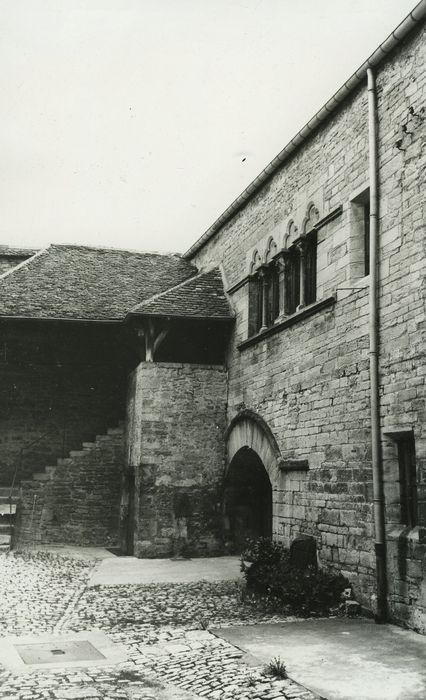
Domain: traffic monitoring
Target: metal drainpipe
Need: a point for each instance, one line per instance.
(378, 496)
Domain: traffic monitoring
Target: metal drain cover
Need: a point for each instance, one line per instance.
(44, 653)
(53, 651)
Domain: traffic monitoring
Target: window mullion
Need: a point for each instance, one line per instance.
(301, 246)
(264, 283)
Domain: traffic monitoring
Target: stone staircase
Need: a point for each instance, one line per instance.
(46, 488)
(8, 500)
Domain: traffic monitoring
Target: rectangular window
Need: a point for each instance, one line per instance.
(293, 281)
(359, 236)
(255, 305)
(311, 269)
(274, 287)
(407, 479)
(367, 238)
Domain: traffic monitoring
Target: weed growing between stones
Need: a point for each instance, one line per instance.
(276, 668)
(134, 677)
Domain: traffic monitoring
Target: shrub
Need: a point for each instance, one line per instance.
(271, 576)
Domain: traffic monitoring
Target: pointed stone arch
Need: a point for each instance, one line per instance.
(248, 429)
(311, 218)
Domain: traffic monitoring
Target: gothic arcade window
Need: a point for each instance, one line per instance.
(284, 281)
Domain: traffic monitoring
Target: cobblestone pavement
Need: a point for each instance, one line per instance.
(164, 628)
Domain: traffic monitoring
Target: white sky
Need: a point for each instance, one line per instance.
(125, 122)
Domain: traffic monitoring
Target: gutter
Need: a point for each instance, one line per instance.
(373, 332)
(395, 38)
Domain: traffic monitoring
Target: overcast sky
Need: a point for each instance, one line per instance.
(135, 123)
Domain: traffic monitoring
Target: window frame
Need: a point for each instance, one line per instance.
(407, 478)
(265, 278)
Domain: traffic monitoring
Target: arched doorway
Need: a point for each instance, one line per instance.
(247, 499)
(253, 459)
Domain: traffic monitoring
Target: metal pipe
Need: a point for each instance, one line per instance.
(376, 457)
(415, 16)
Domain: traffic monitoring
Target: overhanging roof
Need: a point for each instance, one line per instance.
(200, 297)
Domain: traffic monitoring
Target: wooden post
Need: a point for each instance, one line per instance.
(152, 339)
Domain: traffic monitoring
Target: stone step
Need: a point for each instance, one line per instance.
(102, 438)
(7, 509)
(115, 431)
(5, 500)
(41, 476)
(63, 461)
(4, 540)
(6, 491)
(5, 529)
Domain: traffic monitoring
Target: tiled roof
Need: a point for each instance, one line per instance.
(9, 252)
(199, 297)
(78, 282)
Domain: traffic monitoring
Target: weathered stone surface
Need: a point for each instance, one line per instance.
(176, 428)
(76, 502)
(310, 381)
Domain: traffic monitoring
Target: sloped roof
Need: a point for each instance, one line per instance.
(79, 282)
(7, 251)
(202, 296)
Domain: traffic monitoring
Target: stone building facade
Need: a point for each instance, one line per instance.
(242, 371)
(306, 373)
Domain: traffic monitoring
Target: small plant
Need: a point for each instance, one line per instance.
(204, 623)
(129, 675)
(251, 681)
(276, 668)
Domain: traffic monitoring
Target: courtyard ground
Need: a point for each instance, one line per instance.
(169, 635)
(163, 629)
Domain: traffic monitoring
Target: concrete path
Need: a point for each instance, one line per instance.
(341, 659)
(74, 552)
(129, 570)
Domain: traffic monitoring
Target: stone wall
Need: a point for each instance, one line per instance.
(176, 422)
(59, 385)
(402, 303)
(310, 380)
(77, 501)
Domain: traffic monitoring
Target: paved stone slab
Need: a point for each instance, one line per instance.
(78, 649)
(129, 570)
(341, 659)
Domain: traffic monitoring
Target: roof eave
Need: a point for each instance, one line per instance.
(61, 319)
(397, 36)
(135, 315)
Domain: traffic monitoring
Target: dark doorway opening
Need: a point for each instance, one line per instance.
(247, 500)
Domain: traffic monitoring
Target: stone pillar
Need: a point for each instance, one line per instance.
(282, 263)
(301, 247)
(263, 275)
